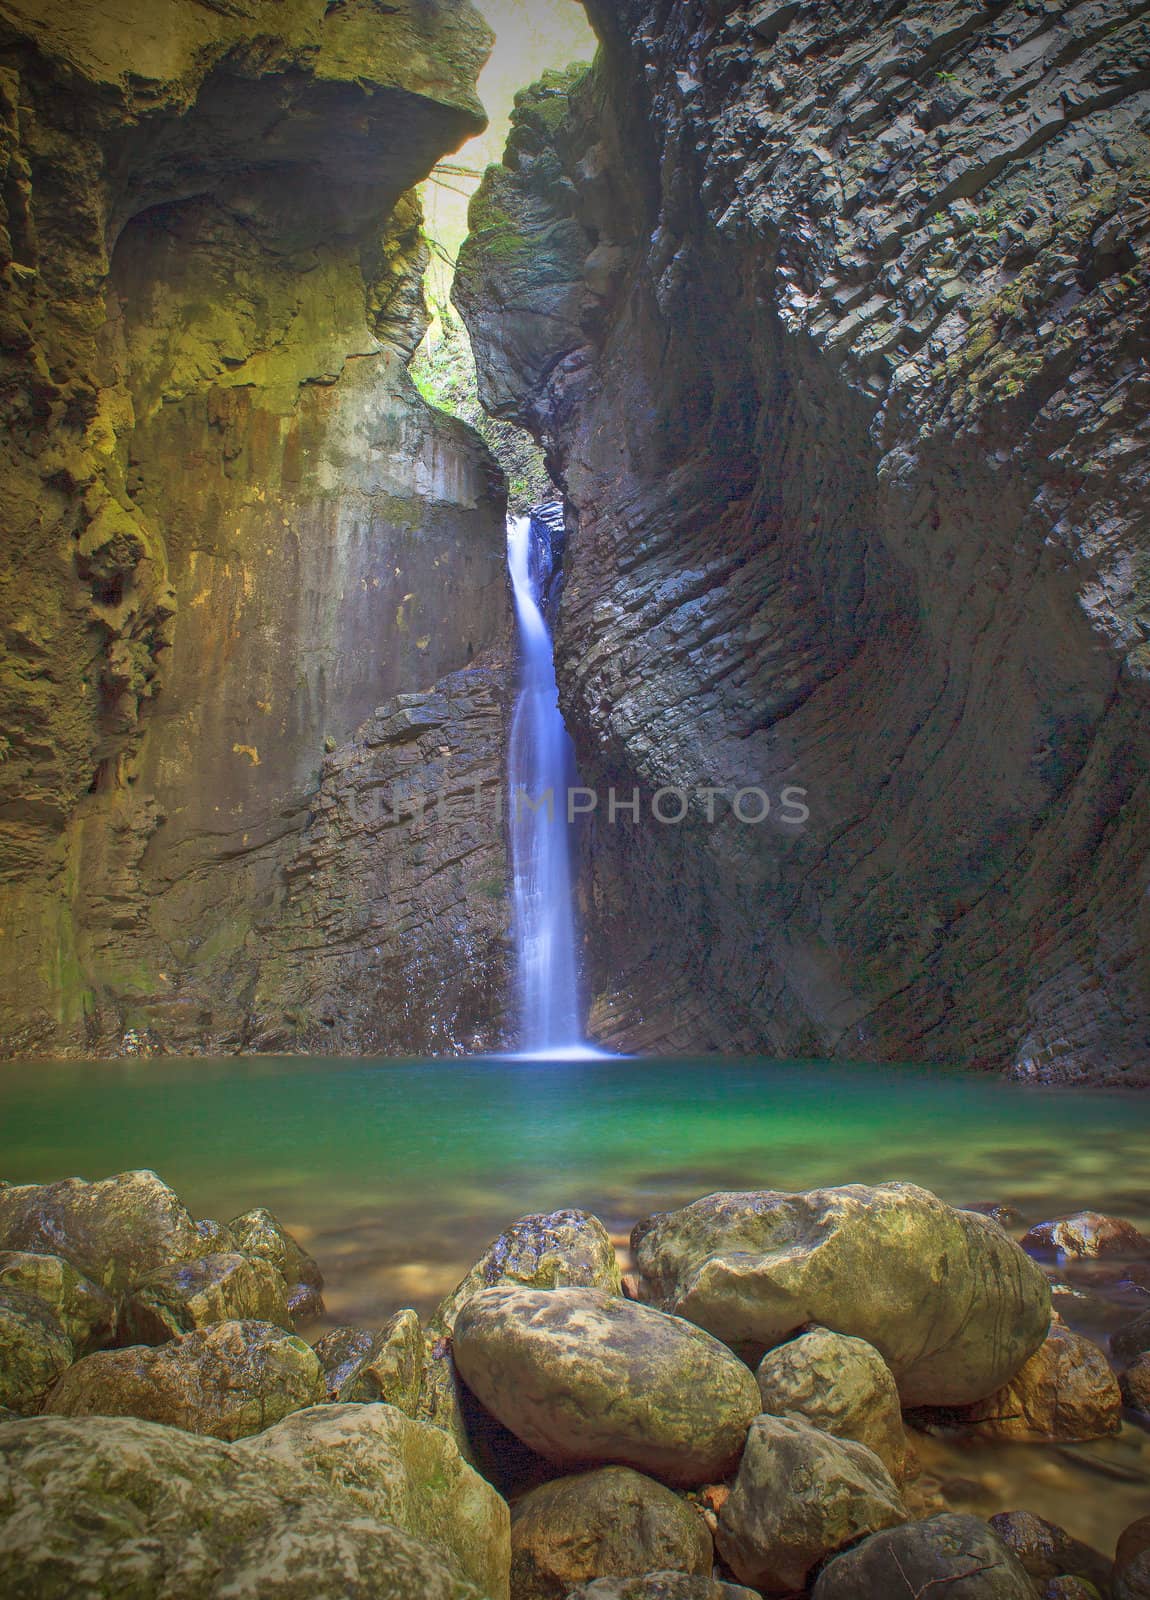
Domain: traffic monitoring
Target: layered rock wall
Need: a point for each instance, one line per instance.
(834, 323)
(232, 527)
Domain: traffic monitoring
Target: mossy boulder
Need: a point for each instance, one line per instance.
(1066, 1391)
(114, 1231)
(582, 1376)
(613, 1522)
(227, 1381)
(34, 1350)
(260, 1234)
(364, 1367)
(116, 1506)
(800, 1495)
(86, 1312)
(839, 1384)
(185, 1295)
(951, 1303)
(958, 1556)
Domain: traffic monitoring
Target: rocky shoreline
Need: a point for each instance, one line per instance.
(748, 1411)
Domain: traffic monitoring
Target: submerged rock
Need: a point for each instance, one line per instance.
(114, 1231)
(800, 1495)
(953, 1306)
(258, 1233)
(1065, 1391)
(582, 1376)
(610, 1523)
(959, 1557)
(96, 1506)
(1132, 1339)
(1048, 1551)
(388, 1365)
(34, 1350)
(85, 1312)
(227, 1381)
(1089, 1236)
(186, 1295)
(839, 1384)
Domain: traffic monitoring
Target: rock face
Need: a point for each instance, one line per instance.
(613, 1522)
(951, 1303)
(98, 1506)
(958, 1555)
(799, 1496)
(236, 531)
(828, 320)
(582, 1376)
(228, 1380)
(840, 1385)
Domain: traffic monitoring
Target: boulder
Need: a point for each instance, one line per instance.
(186, 1295)
(1068, 1588)
(956, 1556)
(1135, 1385)
(1048, 1551)
(114, 1231)
(582, 1376)
(1065, 1391)
(951, 1303)
(1132, 1339)
(258, 1233)
(387, 1365)
(403, 1472)
(1131, 1578)
(228, 1380)
(34, 1350)
(800, 1495)
(216, 1235)
(116, 1506)
(841, 1385)
(1088, 1235)
(613, 1522)
(661, 1586)
(86, 1312)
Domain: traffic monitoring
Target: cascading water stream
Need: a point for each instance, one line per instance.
(541, 763)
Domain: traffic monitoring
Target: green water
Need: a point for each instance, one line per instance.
(396, 1175)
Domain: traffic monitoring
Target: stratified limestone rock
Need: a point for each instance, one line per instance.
(193, 1294)
(227, 1380)
(1088, 1235)
(34, 1350)
(1065, 1391)
(960, 1556)
(97, 1506)
(799, 1496)
(613, 1522)
(835, 345)
(211, 290)
(952, 1304)
(403, 1472)
(114, 1231)
(85, 1312)
(258, 1233)
(365, 1367)
(1048, 1551)
(581, 1376)
(841, 1385)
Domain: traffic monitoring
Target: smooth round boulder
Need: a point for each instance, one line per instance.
(1048, 1551)
(841, 1385)
(612, 1522)
(260, 1234)
(114, 1231)
(582, 1376)
(956, 1556)
(115, 1506)
(1066, 1391)
(185, 1295)
(1087, 1236)
(86, 1312)
(227, 1381)
(950, 1302)
(34, 1351)
(800, 1495)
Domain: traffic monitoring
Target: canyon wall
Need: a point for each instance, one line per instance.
(833, 322)
(247, 573)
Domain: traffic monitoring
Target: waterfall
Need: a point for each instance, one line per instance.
(541, 763)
